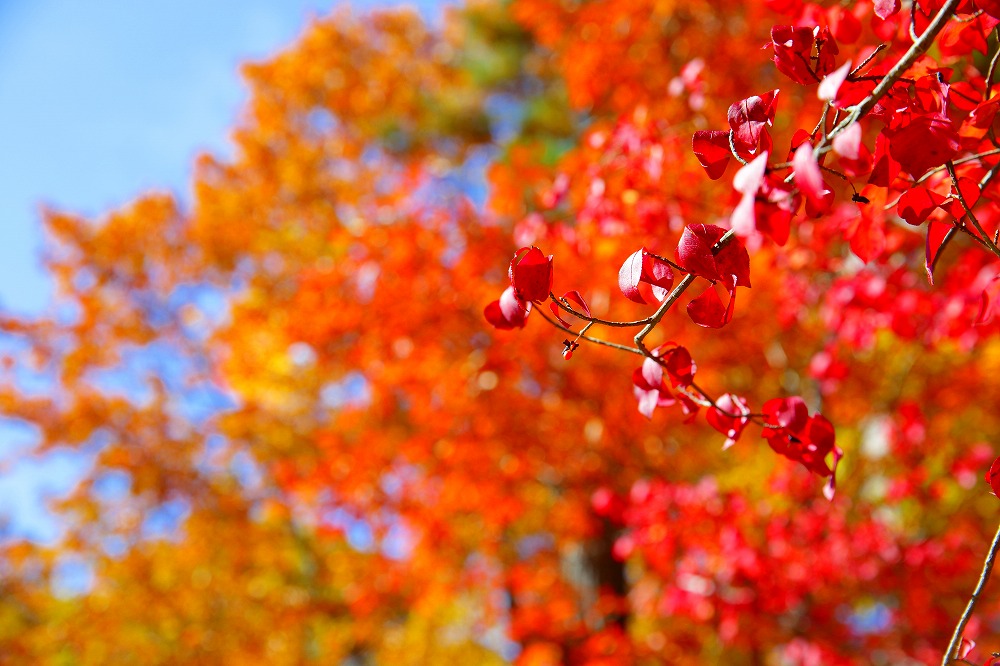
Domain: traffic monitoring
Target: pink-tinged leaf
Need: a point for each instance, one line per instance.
(847, 144)
(707, 309)
(830, 488)
(648, 401)
(831, 83)
(652, 373)
(729, 416)
(711, 147)
(917, 203)
(886, 8)
(508, 312)
(659, 275)
(513, 308)
(748, 181)
(749, 178)
(743, 219)
(938, 235)
(988, 302)
(748, 118)
(495, 317)
(808, 177)
(993, 477)
(630, 275)
(641, 266)
(965, 647)
(530, 274)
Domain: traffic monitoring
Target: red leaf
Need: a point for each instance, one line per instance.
(570, 296)
(917, 203)
(658, 274)
(707, 310)
(970, 192)
(748, 118)
(792, 50)
(926, 142)
(988, 302)
(711, 147)
(530, 274)
(993, 477)
(886, 167)
(575, 296)
(678, 362)
(867, 236)
(694, 254)
(788, 413)
(723, 417)
(938, 235)
(694, 251)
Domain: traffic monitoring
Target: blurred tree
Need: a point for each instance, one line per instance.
(310, 446)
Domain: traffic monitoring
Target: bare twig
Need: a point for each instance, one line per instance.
(968, 210)
(596, 341)
(950, 654)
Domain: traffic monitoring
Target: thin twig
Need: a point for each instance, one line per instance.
(993, 66)
(968, 211)
(956, 638)
(596, 341)
(864, 63)
(597, 320)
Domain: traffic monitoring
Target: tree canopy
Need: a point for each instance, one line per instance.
(339, 412)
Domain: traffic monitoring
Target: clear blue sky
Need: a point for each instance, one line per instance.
(102, 100)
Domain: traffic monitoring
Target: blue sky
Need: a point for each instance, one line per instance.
(102, 100)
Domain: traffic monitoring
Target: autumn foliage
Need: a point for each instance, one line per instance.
(607, 332)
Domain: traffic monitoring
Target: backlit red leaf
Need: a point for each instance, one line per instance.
(729, 417)
(748, 119)
(993, 477)
(530, 274)
(707, 309)
(711, 147)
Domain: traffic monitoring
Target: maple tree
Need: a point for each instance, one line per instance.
(325, 377)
